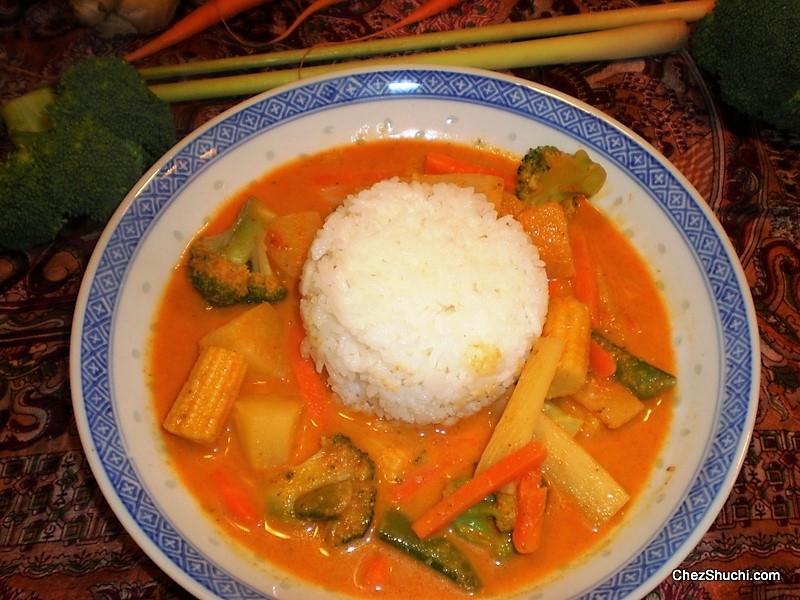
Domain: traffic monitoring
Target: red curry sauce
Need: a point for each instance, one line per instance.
(319, 183)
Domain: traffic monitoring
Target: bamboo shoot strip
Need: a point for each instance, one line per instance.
(613, 44)
(518, 422)
(578, 475)
(688, 10)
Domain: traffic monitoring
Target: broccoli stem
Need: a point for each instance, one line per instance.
(238, 241)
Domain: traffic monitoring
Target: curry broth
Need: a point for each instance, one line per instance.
(319, 183)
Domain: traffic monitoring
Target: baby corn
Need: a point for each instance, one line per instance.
(568, 320)
(206, 398)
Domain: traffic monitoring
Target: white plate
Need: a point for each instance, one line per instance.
(706, 294)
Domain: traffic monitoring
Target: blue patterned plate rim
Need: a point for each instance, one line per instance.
(119, 244)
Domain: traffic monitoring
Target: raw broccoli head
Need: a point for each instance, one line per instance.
(79, 150)
(752, 50)
(548, 174)
(112, 92)
(232, 267)
(88, 169)
(334, 488)
(26, 220)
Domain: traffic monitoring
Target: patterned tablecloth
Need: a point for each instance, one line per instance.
(58, 537)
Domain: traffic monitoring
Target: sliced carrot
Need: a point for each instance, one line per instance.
(601, 361)
(504, 471)
(373, 571)
(428, 8)
(438, 163)
(531, 503)
(313, 390)
(212, 12)
(585, 282)
(237, 502)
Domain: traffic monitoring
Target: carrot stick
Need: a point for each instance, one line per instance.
(315, 6)
(504, 471)
(201, 18)
(531, 503)
(243, 510)
(585, 282)
(428, 8)
(313, 390)
(437, 163)
(601, 361)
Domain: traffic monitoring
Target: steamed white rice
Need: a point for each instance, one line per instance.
(419, 303)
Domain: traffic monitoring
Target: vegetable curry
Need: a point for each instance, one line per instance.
(609, 408)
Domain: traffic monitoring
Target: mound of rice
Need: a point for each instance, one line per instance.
(420, 303)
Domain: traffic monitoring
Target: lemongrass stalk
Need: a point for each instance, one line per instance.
(646, 39)
(687, 10)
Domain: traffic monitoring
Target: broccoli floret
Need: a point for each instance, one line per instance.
(334, 489)
(751, 48)
(27, 220)
(88, 168)
(80, 146)
(112, 92)
(548, 174)
(233, 267)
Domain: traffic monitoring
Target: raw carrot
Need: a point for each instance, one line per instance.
(504, 471)
(601, 361)
(531, 503)
(313, 390)
(201, 18)
(315, 6)
(585, 282)
(437, 163)
(243, 511)
(428, 8)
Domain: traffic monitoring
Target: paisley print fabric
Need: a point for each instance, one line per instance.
(58, 537)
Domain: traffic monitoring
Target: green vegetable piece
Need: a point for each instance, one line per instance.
(751, 49)
(488, 523)
(80, 147)
(326, 502)
(111, 91)
(640, 377)
(437, 553)
(89, 169)
(28, 219)
(26, 115)
(335, 486)
(548, 174)
(232, 267)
